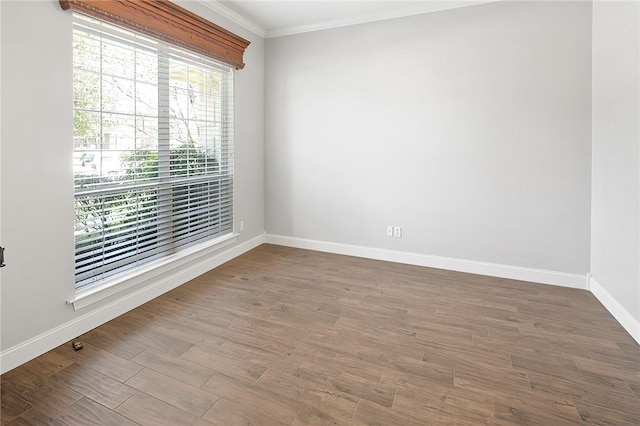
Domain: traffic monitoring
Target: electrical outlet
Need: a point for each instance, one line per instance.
(389, 231)
(397, 232)
(241, 225)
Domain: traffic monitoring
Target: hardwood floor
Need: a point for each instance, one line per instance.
(282, 336)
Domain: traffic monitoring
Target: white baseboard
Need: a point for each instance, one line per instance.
(461, 265)
(27, 350)
(42, 343)
(623, 316)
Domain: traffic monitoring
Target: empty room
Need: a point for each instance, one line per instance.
(299, 212)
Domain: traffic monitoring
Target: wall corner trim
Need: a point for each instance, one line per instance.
(36, 346)
(623, 316)
(541, 276)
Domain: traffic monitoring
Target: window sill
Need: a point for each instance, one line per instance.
(151, 271)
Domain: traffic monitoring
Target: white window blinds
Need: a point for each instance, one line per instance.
(153, 142)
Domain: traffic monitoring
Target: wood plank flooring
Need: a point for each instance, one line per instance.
(282, 336)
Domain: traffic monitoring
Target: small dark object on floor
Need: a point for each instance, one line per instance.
(77, 345)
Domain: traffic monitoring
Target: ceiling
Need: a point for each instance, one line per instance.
(273, 18)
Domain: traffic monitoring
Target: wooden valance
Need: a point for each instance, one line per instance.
(169, 22)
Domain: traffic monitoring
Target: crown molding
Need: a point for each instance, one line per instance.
(246, 23)
(427, 8)
(233, 16)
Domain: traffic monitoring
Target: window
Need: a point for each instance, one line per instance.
(153, 143)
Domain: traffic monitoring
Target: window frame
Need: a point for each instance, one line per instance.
(112, 285)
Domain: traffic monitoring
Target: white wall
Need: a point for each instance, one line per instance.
(0, 163)
(470, 128)
(37, 182)
(615, 250)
